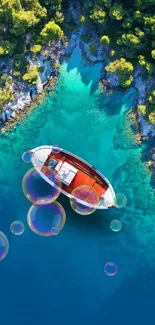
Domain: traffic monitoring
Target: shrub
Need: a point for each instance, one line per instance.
(31, 76)
(105, 40)
(152, 117)
(93, 49)
(142, 109)
(36, 48)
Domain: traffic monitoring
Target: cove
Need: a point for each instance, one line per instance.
(61, 279)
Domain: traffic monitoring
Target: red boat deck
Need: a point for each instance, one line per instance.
(85, 175)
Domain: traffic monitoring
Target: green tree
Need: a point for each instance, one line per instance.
(98, 16)
(149, 24)
(20, 63)
(82, 18)
(51, 32)
(34, 5)
(23, 20)
(131, 40)
(153, 54)
(112, 53)
(152, 117)
(152, 97)
(124, 70)
(59, 17)
(142, 60)
(120, 66)
(93, 49)
(144, 3)
(31, 76)
(125, 80)
(105, 40)
(6, 47)
(116, 11)
(6, 96)
(142, 109)
(103, 3)
(36, 48)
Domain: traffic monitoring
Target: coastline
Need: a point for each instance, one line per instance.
(27, 97)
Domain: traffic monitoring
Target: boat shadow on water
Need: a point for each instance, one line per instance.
(97, 221)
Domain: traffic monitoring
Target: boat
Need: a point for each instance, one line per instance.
(73, 172)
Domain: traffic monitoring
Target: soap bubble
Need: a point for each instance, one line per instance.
(39, 191)
(46, 220)
(27, 156)
(110, 269)
(55, 230)
(120, 200)
(4, 246)
(56, 149)
(116, 225)
(17, 228)
(84, 199)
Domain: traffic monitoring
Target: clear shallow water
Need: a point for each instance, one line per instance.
(62, 279)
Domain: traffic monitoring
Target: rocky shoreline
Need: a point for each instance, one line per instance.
(27, 97)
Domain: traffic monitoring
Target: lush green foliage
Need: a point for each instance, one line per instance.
(6, 47)
(98, 16)
(19, 64)
(93, 49)
(51, 32)
(105, 40)
(152, 117)
(36, 48)
(130, 27)
(124, 69)
(142, 109)
(6, 94)
(18, 17)
(152, 97)
(116, 11)
(31, 76)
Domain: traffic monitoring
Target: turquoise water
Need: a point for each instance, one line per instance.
(61, 279)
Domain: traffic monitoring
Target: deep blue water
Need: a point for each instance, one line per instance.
(60, 279)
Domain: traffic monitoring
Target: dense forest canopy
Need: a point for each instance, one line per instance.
(128, 27)
(17, 17)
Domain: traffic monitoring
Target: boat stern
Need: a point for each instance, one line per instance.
(40, 155)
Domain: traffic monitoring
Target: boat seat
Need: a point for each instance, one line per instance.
(67, 173)
(82, 179)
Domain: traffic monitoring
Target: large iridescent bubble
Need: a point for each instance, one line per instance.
(84, 199)
(46, 220)
(39, 191)
(4, 246)
(115, 225)
(27, 156)
(17, 228)
(120, 200)
(110, 269)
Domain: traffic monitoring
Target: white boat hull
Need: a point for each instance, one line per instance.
(39, 157)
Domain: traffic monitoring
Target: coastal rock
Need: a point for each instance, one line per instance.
(39, 86)
(24, 94)
(13, 115)
(113, 79)
(140, 85)
(74, 12)
(71, 45)
(147, 129)
(153, 157)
